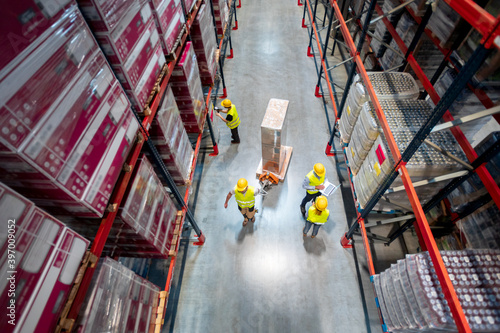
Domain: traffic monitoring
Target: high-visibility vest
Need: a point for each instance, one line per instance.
(245, 200)
(317, 219)
(236, 120)
(314, 181)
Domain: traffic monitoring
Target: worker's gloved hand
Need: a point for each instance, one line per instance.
(217, 109)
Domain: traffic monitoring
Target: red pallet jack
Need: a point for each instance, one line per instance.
(266, 180)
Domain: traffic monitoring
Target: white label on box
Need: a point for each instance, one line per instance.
(80, 46)
(57, 116)
(103, 81)
(96, 181)
(90, 13)
(44, 241)
(163, 6)
(14, 207)
(132, 131)
(51, 7)
(72, 264)
(118, 108)
(137, 49)
(146, 13)
(154, 38)
(147, 73)
(173, 24)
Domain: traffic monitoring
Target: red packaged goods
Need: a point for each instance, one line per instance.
(169, 19)
(105, 15)
(187, 89)
(188, 4)
(130, 71)
(118, 301)
(41, 78)
(171, 140)
(140, 94)
(221, 13)
(28, 22)
(47, 257)
(118, 43)
(205, 44)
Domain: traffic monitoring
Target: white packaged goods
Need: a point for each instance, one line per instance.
(118, 301)
(171, 140)
(386, 86)
(273, 135)
(47, 258)
(421, 304)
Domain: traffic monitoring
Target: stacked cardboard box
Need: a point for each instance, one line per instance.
(188, 5)
(221, 13)
(41, 258)
(169, 20)
(66, 122)
(127, 33)
(205, 45)
(171, 140)
(411, 297)
(273, 135)
(118, 301)
(187, 89)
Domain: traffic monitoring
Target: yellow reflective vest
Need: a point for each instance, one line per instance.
(236, 120)
(246, 200)
(317, 219)
(314, 181)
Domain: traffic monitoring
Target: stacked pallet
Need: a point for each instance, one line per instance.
(205, 45)
(169, 20)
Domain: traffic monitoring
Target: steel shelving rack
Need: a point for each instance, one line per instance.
(489, 27)
(142, 140)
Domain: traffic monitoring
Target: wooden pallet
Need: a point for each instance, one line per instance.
(158, 317)
(284, 167)
(177, 234)
(65, 324)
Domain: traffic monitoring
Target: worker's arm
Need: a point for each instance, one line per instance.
(221, 117)
(229, 195)
(306, 186)
(321, 186)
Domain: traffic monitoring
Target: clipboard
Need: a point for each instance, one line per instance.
(329, 189)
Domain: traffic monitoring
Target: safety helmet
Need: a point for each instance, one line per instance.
(242, 184)
(226, 103)
(319, 169)
(321, 203)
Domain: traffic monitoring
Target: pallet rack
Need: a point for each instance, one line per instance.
(142, 139)
(489, 27)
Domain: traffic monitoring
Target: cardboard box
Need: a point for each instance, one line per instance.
(273, 135)
(106, 15)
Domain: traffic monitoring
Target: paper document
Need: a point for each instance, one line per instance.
(329, 189)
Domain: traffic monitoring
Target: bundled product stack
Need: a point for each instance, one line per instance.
(443, 23)
(406, 29)
(66, 123)
(169, 19)
(221, 13)
(411, 298)
(205, 45)
(428, 56)
(425, 164)
(402, 116)
(118, 301)
(127, 33)
(381, 32)
(188, 5)
(187, 89)
(41, 258)
(171, 140)
(386, 85)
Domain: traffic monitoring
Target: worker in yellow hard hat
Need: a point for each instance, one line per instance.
(232, 120)
(245, 197)
(313, 183)
(316, 216)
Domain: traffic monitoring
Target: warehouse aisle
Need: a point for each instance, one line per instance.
(266, 277)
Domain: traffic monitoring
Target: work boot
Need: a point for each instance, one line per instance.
(303, 211)
(256, 210)
(313, 236)
(233, 141)
(245, 223)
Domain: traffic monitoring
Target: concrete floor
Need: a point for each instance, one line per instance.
(266, 277)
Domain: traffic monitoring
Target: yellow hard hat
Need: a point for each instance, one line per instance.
(321, 203)
(242, 184)
(319, 169)
(226, 103)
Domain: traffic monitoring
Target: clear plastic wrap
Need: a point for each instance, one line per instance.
(443, 23)
(171, 140)
(188, 4)
(205, 45)
(118, 300)
(187, 89)
(106, 15)
(221, 13)
(169, 20)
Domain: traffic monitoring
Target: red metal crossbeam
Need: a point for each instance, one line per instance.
(323, 64)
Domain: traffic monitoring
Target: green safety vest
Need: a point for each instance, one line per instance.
(236, 120)
(314, 181)
(317, 219)
(246, 200)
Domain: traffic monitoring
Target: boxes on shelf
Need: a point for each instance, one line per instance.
(169, 20)
(105, 15)
(189, 4)
(171, 140)
(118, 301)
(187, 89)
(386, 85)
(273, 135)
(47, 258)
(221, 13)
(205, 45)
(445, 22)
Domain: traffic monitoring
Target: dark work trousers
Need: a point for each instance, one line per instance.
(309, 197)
(234, 134)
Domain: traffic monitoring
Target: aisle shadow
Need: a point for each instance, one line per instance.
(315, 245)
